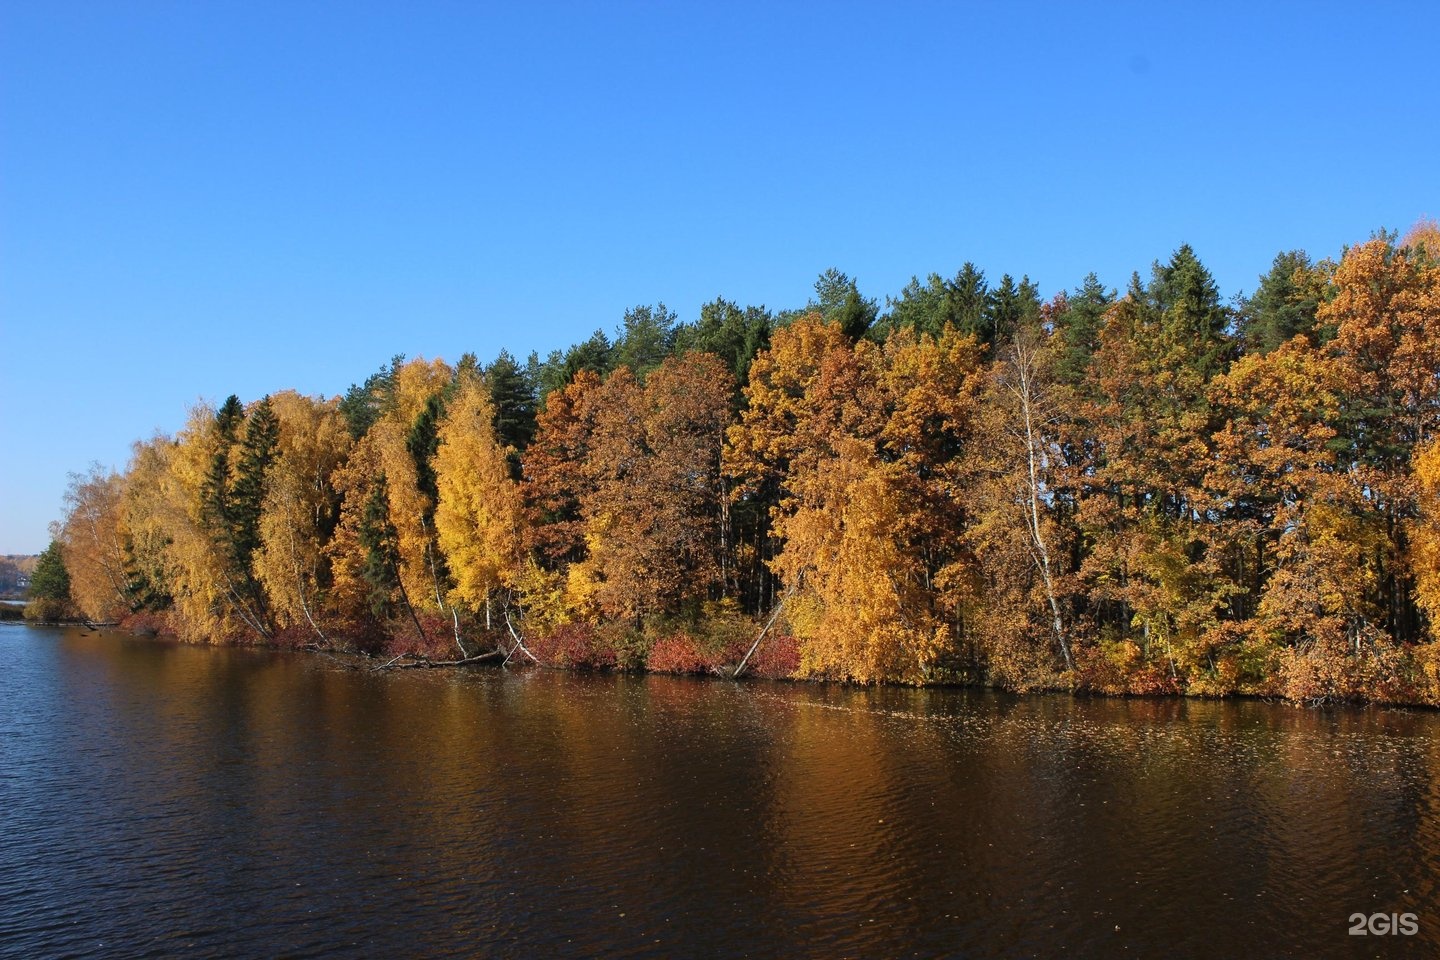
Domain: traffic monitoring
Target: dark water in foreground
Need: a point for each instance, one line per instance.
(158, 800)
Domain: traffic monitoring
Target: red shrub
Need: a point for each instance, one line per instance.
(293, 637)
(679, 653)
(574, 645)
(778, 657)
(437, 642)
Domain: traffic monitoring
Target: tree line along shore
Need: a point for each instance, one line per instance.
(1148, 491)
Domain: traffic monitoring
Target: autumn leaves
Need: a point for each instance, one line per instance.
(1144, 493)
(627, 498)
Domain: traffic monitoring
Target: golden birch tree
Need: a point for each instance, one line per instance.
(300, 510)
(92, 539)
(479, 516)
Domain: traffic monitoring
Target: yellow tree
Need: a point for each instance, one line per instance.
(92, 538)
(300, 508)
(1276, 467)
(1022, 541)
(852, 444)
(1425, 543)
(934, 389)
(1384, 308)
(146, 509)
(802, 393)
(385, 459)
(404, 455)
(354, 481)
(786, 417)
(859, 610)
(208, 600)
(479, 516)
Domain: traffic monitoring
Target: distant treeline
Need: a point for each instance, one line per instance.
(1147, 491)
(15, 571)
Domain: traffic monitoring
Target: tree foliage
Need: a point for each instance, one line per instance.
(92, 539)
(1141, 493)
(478, 515)
(51, 580)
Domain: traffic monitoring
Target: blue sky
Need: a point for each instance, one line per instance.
(200, 199)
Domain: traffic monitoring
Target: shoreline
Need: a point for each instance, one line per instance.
(360, 661)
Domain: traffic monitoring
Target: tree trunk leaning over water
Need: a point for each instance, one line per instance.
(761, 636)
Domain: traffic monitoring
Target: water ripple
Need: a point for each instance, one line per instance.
(158, 800)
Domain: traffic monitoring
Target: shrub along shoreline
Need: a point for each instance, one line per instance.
(680, 654)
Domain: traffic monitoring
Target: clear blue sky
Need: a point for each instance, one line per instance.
(205, 198)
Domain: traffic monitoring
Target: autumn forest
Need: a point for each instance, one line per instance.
(1141, 491)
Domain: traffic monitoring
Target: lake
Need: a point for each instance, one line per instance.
(162, 800)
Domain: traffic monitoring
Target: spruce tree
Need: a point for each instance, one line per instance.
(258, 449)
(1192, 320)
(930, 307)
(733, 334)
(839, 301)
(1008, 308)
(362, 404)
(1283, 306)
(381, 543)
(49, 587)
(51, 581)
(421, 443)
(215, 492)
(512, 393)
(1078, 327)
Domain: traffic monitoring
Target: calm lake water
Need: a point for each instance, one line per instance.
(161, 800)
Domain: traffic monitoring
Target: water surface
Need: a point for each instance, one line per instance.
(162, 800)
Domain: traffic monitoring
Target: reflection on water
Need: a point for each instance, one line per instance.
(158, 799)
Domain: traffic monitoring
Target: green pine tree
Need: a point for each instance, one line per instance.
(1192, 320)
(929, 307)
(49, 586)
(422, 442)
(1283, 307)
(645, 338)
(513, 394)
(381, 543)
(733, 334)
(1078, 326)
(838, 300)
(1009, 307)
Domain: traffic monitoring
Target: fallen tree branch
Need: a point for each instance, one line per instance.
(397, 656)
(424, 664)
